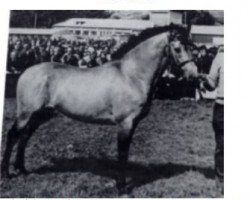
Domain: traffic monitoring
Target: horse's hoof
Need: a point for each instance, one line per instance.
(21, 170)
(124, 196)
(110, 184)
(5, 175)
(122, 192)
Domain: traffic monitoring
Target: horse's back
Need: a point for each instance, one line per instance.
(37, 73)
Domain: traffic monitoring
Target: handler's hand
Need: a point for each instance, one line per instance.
(202, 77)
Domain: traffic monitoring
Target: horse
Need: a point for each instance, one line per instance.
(118, 93)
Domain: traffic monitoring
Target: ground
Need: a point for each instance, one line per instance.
(171, 156)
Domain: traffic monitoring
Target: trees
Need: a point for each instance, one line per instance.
(46, 18)
(200, 17)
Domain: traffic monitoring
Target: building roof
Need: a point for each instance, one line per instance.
(207, 30)
(106, 23)
(160, 11)
(31, 31)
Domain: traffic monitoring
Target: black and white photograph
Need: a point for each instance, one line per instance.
(113, 103)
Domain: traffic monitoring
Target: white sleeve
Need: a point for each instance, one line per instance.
(213, 76)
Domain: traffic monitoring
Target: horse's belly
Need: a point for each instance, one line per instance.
(93, 112)
(93, 101)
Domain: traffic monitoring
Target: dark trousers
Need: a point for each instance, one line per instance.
(218, 125)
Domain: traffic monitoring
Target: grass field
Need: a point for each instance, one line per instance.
(171, 156)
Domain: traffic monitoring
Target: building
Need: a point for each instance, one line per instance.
(106, 28)
(209, 35)
(30, 31)
(102, 28)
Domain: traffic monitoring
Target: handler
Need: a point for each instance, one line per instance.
(215, 80)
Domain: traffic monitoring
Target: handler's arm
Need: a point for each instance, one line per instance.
(212, 79)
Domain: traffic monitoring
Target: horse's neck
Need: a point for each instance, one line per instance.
(144, 62)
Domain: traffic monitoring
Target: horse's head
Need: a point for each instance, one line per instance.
(180, 59)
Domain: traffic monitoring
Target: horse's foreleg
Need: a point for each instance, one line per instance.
(124, 141)
(12, 137)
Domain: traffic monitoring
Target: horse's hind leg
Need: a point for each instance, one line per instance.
(35, 121)
(12, 137)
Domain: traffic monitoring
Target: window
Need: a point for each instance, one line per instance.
(85, 32)
(93, 32)
(77, 32)
(80, 22)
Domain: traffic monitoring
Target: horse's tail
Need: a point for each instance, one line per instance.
(32, 93)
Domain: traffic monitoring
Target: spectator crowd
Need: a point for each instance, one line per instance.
(203, 57)
(25, 51)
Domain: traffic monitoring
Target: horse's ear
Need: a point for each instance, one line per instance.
(189, 30)
(172, 28)
(171, 25)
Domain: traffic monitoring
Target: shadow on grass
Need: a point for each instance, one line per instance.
(137, 173)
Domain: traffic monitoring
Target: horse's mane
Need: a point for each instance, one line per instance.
(148, 33)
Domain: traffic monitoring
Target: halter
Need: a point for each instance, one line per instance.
(184, 63)
(179, 66)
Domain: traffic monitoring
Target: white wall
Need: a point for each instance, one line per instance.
(160, 18)
(165, 17)
(175, 18)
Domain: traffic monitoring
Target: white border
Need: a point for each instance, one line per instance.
(237, 68)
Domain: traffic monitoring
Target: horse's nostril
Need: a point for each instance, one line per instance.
(177, 50)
